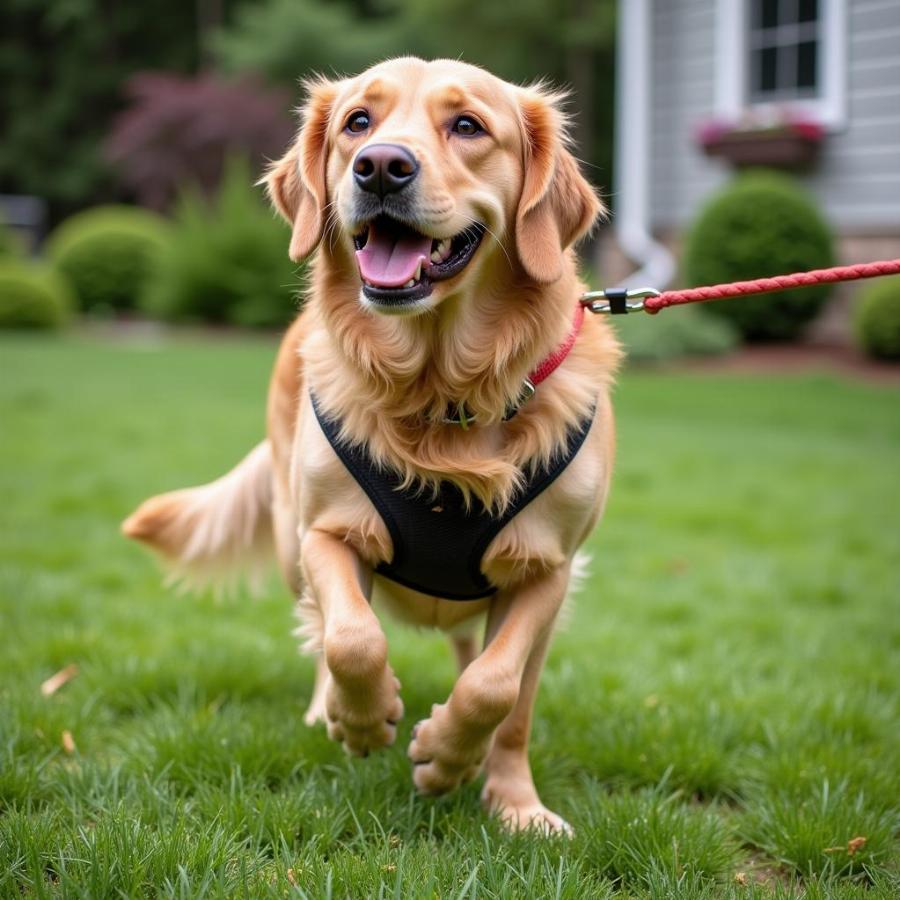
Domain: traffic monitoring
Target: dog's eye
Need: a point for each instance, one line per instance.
(467, 126)
(357, 122)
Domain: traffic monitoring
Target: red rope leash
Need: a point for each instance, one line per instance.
(653, 302)
(778, 283)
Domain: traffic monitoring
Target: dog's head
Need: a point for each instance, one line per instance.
(426, 171)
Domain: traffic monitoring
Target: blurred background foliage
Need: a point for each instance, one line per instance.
(761, 221)
(570, 42)
(108, 106)
(179, 130)
(178, 111)
(62, 66)
(73, 110)
(877, 319)
(108, 254)
(226, 260)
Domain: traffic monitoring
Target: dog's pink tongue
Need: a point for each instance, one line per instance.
(389, 259)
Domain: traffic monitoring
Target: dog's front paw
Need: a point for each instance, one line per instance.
(364, 720)
(443, 755)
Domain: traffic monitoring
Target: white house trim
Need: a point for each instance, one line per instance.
(830, 109)
(633, 79)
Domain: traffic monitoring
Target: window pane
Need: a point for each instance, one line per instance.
(806, 64)
(766, 13)
(787, 12)
(809, 11)
(767, 62)
(787, 67)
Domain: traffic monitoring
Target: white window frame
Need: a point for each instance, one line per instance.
(732, 62)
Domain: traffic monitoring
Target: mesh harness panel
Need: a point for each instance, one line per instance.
(439, 543)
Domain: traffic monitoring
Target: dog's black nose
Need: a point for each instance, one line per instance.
(384, 168)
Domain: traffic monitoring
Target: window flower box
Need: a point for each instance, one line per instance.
(780, 141)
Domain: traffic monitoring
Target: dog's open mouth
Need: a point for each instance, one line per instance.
(398, 264)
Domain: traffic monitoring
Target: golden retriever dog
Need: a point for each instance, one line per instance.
(441, 205)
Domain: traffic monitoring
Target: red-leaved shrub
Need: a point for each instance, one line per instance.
(180, 131)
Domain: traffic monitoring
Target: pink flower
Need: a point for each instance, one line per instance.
(711, 131)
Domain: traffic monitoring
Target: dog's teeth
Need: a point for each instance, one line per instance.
(418, 274)
(410, 283)
(441, 250)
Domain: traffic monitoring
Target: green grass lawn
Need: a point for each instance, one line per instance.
(722, 706)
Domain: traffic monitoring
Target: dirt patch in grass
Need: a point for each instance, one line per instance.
(762, 870)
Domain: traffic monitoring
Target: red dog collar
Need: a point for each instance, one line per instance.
(544, 370)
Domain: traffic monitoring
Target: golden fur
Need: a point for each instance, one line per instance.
(390, 380)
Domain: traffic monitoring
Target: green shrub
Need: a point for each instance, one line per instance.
(10, 245)
(282, 39)
(674, 333)
(108, 254)
(228, 260)
(761, 224)
(878, 319)
(32, 296)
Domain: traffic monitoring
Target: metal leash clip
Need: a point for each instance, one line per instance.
(617, 301)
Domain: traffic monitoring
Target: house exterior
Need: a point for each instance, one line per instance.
(686, 66)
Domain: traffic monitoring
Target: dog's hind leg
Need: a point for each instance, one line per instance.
(287, 544)
(465, 649)
(316, 711)
(509, 789)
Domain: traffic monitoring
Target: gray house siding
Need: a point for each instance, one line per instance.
(857, 181)
(682, 94)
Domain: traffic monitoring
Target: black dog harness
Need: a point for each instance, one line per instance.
(438, 542)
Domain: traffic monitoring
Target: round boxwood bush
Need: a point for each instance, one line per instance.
(108, 253)
(878, 319)
(33, 296)
(761, 224)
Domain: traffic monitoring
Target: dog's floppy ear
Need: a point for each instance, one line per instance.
(557, 205)
(296, 182)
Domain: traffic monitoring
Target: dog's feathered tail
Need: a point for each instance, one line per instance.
(216, 533)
